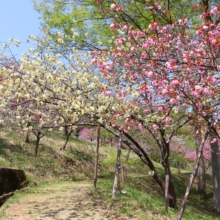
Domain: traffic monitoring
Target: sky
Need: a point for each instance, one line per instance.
(18, 21)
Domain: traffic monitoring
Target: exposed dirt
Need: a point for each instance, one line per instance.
(66, 200)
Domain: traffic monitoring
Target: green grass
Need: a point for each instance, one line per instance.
(191, 143)
(143, 199)
(51, 162)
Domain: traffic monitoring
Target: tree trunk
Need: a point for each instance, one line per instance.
(167, 193)
(201, 176)
(128, 155)
(37, 143)
(76, 132)
(165, 152)
(96, 156)
(192, 177)
(171, 188)
(27, 136)
(67, 134)
(117, 167)
(201, 169)
(146, 160)
(215, 172)
(67, 140)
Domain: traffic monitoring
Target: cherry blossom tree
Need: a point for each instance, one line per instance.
(58, 90)
(157, 70)
(87, 134)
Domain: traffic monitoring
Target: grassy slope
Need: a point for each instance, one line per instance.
(143, 196)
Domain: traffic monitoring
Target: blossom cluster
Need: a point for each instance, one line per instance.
(169, 69)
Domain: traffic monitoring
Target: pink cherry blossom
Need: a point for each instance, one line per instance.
(167, 120)
(146, 111)
(175, 83)
(160, 108)
(173, 100)
(181, 22)
(207, 92)
(140, 127)
(132, 49)
(107, 93)
(213, 140)
(125, 27)
(205, 27)
(164, 30)
(157, 5)
(198, 88)
(165, 92)
(113, 6)
(116, 116)
(112, 25)
(155, 127)
(150, 74)
(153, 26)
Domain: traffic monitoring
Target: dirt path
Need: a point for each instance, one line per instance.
(68, 200)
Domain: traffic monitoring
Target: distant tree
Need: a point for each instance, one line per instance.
(67, 132)
(87, 134)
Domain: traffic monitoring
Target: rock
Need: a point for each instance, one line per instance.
(10, 181)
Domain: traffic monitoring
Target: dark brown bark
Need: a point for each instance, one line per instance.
(37, 143)
(96, 156)
(165, 153)
(206, 9)
(171, 192)
(27, 136)
(67, 140)
(67, 134)
(38, 135)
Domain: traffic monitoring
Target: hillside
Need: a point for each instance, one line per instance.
(60, 171)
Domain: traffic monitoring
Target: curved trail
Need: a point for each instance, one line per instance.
(59, 201)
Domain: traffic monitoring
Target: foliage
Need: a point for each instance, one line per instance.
(84, 18)
(206, 153)
(88, 16)
(151, 79)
